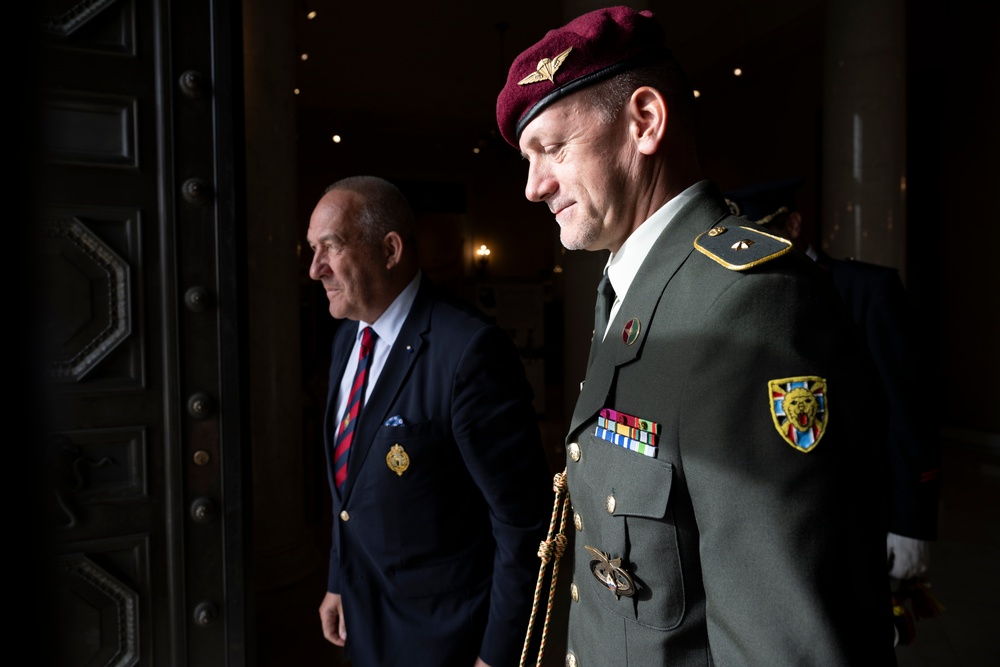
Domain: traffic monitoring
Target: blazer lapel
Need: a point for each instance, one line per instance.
(402, 357)
(341, 350)
(627, 332)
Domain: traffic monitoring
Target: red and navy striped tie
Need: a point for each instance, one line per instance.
(345, 432)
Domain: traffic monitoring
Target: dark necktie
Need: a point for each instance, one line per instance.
(345, 431)
(605, 299)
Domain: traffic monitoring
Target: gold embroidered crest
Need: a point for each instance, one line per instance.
(397, 459)
(799, 410)
(546, 69)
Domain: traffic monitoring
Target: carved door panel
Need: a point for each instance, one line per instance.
(140, 336)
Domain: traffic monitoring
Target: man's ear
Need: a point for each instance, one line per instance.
(392, 249)
(794, 225)
(647, 112)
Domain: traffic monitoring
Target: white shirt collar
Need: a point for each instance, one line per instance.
(623, 265)
(391, 320)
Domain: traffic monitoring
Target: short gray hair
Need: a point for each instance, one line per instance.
(384, 208)
(665, 75)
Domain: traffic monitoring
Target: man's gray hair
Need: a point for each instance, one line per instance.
(384, 208)
(665, 75)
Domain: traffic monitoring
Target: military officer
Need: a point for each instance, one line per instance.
(724, 458)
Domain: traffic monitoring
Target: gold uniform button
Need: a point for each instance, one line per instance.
(574, 592)
(609, 504)
(571, 660)
(344, 516)
(574, 451)
(577, 520)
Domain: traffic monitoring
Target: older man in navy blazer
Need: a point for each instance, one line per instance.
(439, 482)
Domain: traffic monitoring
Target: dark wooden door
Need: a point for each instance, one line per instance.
(140, 244)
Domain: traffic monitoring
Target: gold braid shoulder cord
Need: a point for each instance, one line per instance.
(552, 549)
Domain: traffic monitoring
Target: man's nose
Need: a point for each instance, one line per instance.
(541, 185)
(318, 267)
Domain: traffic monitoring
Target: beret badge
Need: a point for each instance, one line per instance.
(546, 69)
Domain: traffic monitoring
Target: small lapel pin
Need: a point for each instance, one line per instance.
(630, 333)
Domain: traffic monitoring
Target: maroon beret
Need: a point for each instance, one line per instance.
(589, 49)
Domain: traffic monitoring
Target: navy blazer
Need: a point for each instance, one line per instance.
(879, 305)
(436, 564)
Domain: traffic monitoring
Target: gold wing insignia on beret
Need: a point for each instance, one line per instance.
(546, 69)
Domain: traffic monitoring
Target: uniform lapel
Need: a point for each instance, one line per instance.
(402, 358)
(669, 252)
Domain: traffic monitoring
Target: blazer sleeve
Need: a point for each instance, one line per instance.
(913, 445)
(496, 430)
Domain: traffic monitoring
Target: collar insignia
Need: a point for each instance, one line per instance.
(630, 333)
(546, 69)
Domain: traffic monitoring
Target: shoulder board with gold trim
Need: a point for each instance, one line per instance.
(740, 248)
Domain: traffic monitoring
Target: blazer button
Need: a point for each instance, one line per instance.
(574, 592)
(609, 504)
(344, 516)
(574, 451)
(578, 521)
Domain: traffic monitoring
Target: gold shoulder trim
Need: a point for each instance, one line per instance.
(740, 248)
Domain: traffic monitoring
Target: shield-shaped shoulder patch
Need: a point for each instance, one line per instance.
(799, 410)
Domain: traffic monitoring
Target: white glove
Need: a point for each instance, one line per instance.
(908, 557)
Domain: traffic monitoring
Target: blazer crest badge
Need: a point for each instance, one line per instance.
(799, 410)
(397, 459)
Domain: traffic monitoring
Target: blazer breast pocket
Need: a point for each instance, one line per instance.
(408, 449)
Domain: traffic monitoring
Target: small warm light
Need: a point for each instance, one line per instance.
(311, 15)
(483, 252)
(557, 269)
(476, 150)
(737, 72)
(304, 56)
(335, 138)
(296, 91)
(697, 93)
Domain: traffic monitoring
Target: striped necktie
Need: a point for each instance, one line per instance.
(345, 432)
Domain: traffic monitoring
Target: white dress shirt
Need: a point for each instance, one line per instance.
(623, 266)
(386, 327)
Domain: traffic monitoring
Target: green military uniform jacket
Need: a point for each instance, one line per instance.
(741, 547)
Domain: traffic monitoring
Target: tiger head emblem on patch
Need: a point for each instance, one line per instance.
(799, 410)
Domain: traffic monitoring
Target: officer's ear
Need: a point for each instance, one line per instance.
(392, 249)
(794, 225)
(647, 112)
